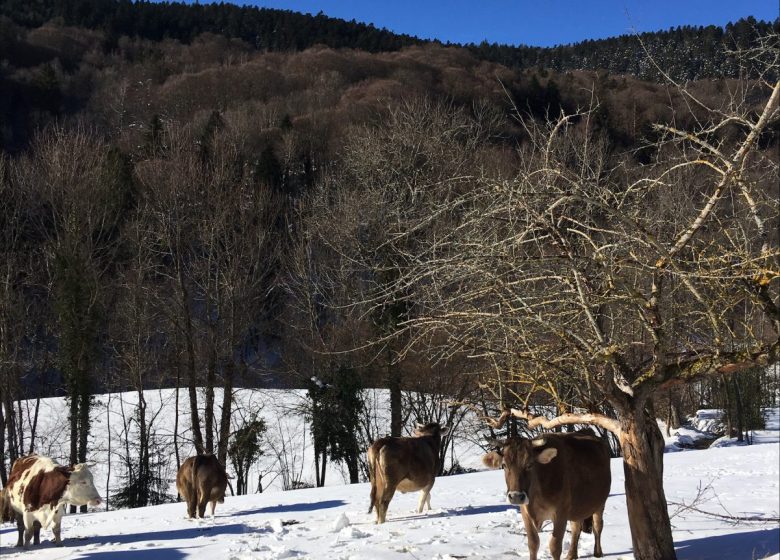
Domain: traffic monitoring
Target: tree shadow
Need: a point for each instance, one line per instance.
(148, 554)
(289, 508)
(453, 512)
(188, 533)
(735, 546)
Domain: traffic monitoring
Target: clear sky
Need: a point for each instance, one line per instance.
(530, 22)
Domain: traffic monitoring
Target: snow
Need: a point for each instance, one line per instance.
(288, 440)
(470, 519)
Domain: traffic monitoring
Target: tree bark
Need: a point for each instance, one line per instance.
(34, 427)
(353, 469)
(192, 385)
(84, 424)
(3, 473)
(648, 517)
(227, 406)
(394, 385)
(208, 412)
(143, 444)
(176, 419)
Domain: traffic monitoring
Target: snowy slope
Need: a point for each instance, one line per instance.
(470, 519)
(287, 440)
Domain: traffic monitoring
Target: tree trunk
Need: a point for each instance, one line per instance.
(74, 432)
(176, 420)
(34, 427)
(197, 435)
(227, 405)
(740, 410)
(323, 465)
(143, 444)
(108, 452)
(74, 427)
(20, 427)
(10, 425)
(353, 469)
(84, 424)
(394, 385)
(208, 413)
(3, 472)
(651, 533)
(317, 465)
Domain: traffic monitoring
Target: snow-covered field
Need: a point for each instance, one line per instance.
(470, 519)
(287, 442)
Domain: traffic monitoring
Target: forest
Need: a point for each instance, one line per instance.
(189, 204)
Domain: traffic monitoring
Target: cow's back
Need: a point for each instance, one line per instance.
(409, 462)
(21, 481)
(578, 480)
(210, 475)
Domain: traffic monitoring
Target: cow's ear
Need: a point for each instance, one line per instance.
(444, 431)
(547, 455)
(492, 460)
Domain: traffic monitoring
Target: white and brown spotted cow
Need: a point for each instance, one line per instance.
(38, 490)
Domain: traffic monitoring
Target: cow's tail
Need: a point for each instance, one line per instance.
(587, 524)
(6, 511)
(372, 477)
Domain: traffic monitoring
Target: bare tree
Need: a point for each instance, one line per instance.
(77, 190)
(215, 223)
(616, 279)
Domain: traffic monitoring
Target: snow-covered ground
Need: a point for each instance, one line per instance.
(470, 519)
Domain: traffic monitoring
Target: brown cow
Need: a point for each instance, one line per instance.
(201, 479)
(38, 490)
(404, 463)
(562, 477)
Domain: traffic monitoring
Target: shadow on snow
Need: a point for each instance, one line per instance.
(143, 539)
(735, 546)
(148, 554)
(298, 507)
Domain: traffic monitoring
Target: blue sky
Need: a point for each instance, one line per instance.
(531, 22)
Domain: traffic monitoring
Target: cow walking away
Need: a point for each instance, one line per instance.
(407, 464)
(36, 494)
(562, 477)
(201, 479)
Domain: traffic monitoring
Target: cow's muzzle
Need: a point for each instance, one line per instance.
(517, 498)
(95, 502)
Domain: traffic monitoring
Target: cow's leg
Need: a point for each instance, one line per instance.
(203, 500)
(425, 497)
(598, 525)
(37, 532)
(20, 529)
(29, 528)
(191, 497)
(556, 539)
(531, 533)
(213, 507)
(576, 528)
(373, 495)
(384, 501)
(57, 530)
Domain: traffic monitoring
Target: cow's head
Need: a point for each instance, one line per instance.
(81, 489)
(520, 458)
(431, 429)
